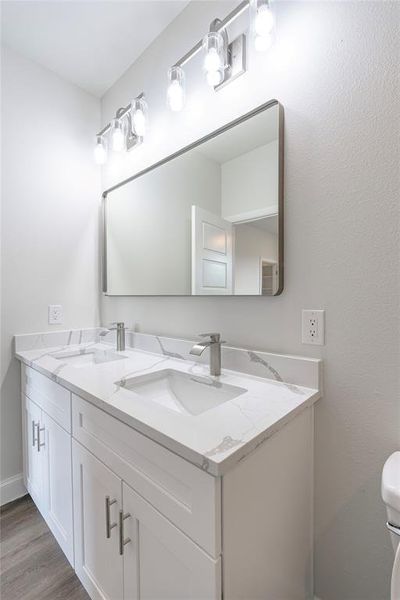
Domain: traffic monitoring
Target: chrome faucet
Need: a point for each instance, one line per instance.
(120, 329)
(214, 343)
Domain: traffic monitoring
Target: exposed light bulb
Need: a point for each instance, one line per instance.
(139, 116)
(212, 60)
(264, 20)
(117, 140)
(176, 88)
(262, 43)
(100, 152)
(175, 96)
(214, 78)
(139, 123)
(117, 136)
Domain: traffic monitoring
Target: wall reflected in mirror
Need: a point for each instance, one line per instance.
(207, 221)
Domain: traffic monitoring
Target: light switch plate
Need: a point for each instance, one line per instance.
(313, 327)
(55, 314)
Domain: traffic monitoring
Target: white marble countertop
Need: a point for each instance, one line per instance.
(214, 440)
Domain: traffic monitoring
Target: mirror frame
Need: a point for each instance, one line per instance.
(191, 146)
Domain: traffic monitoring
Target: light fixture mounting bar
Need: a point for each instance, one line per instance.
(234, 14)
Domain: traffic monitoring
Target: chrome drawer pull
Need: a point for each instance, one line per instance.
(39, 443)
(34, 438)
(109, 525)
(122, 540)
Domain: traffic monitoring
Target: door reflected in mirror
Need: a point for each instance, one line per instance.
(206, 221)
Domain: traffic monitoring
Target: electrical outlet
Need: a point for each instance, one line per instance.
(313, 327)
(55, 314)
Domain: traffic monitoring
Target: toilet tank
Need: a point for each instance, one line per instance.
(391, 492)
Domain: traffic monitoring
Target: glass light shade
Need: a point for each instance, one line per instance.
(100, 152)
(262, 24)
(117, 136)
(139, 116)
(264, 20)
(214, 59)
(176, 89)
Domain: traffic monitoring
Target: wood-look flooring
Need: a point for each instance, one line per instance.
(33, 566)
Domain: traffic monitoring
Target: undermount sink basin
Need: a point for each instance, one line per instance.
(182, 392)
(83, 358)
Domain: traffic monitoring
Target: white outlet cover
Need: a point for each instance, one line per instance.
(55, 314)
(313, 327)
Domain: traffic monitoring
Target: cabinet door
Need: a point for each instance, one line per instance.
(33, 462)
(98, 563)
(57, 478)
(161, 562)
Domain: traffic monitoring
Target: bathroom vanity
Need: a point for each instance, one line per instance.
(159, 481)
(159, 477)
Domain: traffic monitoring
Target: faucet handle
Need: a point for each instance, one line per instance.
(215, 337)
(118, 325)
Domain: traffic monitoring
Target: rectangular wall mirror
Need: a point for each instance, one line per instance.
(207, 220)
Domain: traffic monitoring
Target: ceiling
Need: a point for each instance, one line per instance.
(90, 43)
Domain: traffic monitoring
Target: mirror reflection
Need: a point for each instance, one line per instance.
(205, 222)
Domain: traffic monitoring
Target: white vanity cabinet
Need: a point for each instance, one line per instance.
(34, 467)
(125, 549)
(47, 454)
(159, 560)
(97, 499)
(57, 479)
(139, 522)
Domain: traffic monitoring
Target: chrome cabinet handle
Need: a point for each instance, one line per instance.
(39, 443)
(109, 525)
(122, 540)
(34, 438)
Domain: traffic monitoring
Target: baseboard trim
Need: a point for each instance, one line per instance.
(12, 488)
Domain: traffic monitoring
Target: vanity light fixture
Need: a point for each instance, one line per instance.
(139, 116)
(126, 130)
(262, 24)
(117, 135)
(100, 151)
(176, 88)
(224, 61)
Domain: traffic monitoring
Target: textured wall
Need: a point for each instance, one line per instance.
(335, 70)
(50, 200)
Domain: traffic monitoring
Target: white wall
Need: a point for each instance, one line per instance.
(142, 222)
(334, 69)
(259, 168)
(50, 199)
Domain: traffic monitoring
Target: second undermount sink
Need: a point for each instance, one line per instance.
(86, 357)
(183, 392)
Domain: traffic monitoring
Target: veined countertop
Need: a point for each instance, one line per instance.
(214, 440)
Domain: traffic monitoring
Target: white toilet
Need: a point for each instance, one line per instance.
(391, 497)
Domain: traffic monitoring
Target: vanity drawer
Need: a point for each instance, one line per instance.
(187, 496)
(50, 396)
